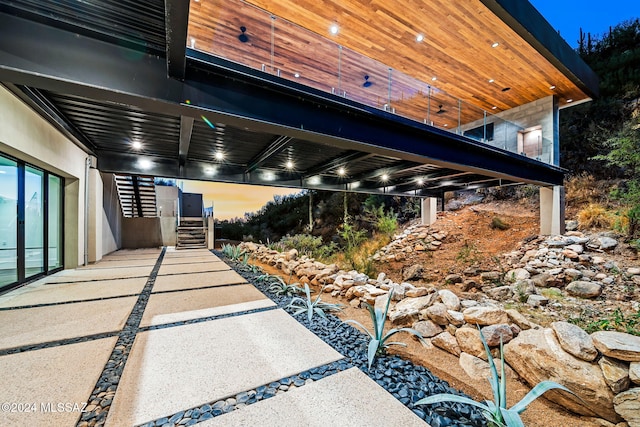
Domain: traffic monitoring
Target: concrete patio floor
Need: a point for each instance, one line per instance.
(151, 337)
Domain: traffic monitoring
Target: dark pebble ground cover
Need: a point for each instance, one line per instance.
(406, 381)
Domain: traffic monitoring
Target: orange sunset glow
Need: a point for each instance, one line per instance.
(233, 200)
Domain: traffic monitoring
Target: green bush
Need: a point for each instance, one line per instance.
(499, 224)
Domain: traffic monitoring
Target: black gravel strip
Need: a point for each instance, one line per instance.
(49, 304)
(205, 319)
(404, 380)
(231, 403)
(99, 402)
(39, 346)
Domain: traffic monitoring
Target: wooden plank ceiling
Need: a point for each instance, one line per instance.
(457, 50)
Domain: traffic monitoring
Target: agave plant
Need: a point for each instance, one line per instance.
(496, 411)
(312, 306)
(235, 253)
(378, 340)
(279, 287)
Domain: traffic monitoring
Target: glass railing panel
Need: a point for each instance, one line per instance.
(409, 97)
(473, 123)
(364, 80)
(443, 110)
(305, 57)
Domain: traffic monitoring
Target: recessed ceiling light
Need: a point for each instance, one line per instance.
(342, 171)
(569, 100)
(193, 42)
(144, 164)
(495, 44)
(491, 80)
(434, 78)
(136, 145)
(419, 37)
(420, 181)
(296, 75)
(552, 87)
(289, 164)
(384, 177)
(333, 29)
(494, 107)
(445, 125)
(219, 155)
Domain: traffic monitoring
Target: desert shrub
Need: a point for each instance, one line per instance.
(594, 216)
(499, 224)
(305, 244)
(468, 253)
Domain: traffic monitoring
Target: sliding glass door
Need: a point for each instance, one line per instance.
(31, 238)
(8, 221)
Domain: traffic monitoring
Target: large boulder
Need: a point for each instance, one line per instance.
(616, 374)
(582, 289)
(536, 355)
(493, 334)
(427, 328)
(627, 404)
(449, 299)
(470, 342)
(617, 345)
(447, 342)
(574, 340)
(408, 308)
(437, 313)
(485, 316)
(413, 272)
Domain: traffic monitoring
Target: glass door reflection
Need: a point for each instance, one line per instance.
(8, 221)
(33, 221)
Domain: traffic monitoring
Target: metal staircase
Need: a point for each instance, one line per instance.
(137, 195)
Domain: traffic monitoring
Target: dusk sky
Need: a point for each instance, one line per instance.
(593, 16)
(568, 16)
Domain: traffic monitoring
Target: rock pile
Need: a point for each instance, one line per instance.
(416, 238)
(603, 369)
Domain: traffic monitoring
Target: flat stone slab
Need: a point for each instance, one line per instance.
(67, 276)
(198, 303)
(192, 268)
(197, 280)
(173, 252)
(51, 323)
(119, 263)
(48, 377)
(177, 368)
(41, 293)
(190, 260)
(348, 399)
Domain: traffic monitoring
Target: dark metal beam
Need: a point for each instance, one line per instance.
(186, 128)
(277, 146)
(350, 158)
(176, 13)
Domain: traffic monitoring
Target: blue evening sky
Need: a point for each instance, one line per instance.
(594, 16)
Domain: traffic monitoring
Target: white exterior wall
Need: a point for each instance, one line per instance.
(27, 136)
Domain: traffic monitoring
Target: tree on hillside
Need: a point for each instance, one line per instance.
(615, 57)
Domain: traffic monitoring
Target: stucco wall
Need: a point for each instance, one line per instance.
(111, 215)
(141, 233)
(28, 137)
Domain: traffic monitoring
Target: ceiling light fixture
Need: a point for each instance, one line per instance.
(144, 164)
(342, 171)
(384, 177)
(495, 44)
(494, 107)
(136, 145)
(569, 100)
(434, 78)
(289, 164)
(333, 29)
(491, 80)
(445, 125)
(219, 155)
(296, 75)
(420, 181)
(193, 42)
(552, 87)
(419, 38)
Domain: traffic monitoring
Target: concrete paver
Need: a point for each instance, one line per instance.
(39, 293)
(346, 399)
(192, 268)
(47, 378)
(197, 280)
(176, 306)
(43, 324)
(211, 360)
